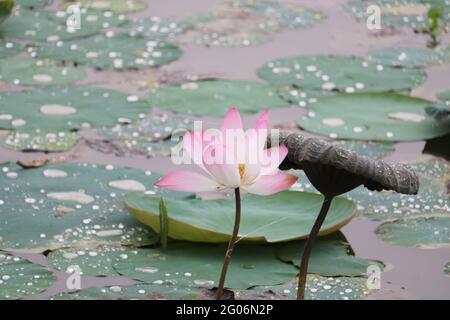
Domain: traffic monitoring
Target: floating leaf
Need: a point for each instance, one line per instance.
(317, 288)
(195, 265)
(38, 72)
(69, 204)
(331, 257)
(339, 74)
(9, 48)
(157, 28)
(92, 19)
(42, 26)
(214, 98)
(444, 96)
(21, 278)
(91, 261)
(439, 111)
(395, 13)
(153, 135)
(285, 216)
(134, 292)
(423, 232)
(288, 14)
(244, 23)
(447, 269)
(372, 116)
(68, 108)
(119, 6)
(32, 4)
(40, 140)
(408, 57)
(110, 51)
(431, 199)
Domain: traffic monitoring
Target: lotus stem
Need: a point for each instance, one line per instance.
(309, 245)
(227, 259)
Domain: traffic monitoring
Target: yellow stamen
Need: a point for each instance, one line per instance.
(241, 170)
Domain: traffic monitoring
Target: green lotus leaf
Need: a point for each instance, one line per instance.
(447, 269)
(331, 257)
(134, 292)
(397, 14)
(409, 57)
(215, 97)
(9, 48)
(423, 232)
(317, 288)
(20, 278)
(285, 216)
(40, 140)
(339, 74)
(199, 265)
(92, 19)
(439, 111)
(70, 204)
(68, 108)
(38, 72)
(153, 135)
(157, 28)
(372, 116)
(43, 26)
(119, 6)
(110, 51)
(32, 4)
(444, 96)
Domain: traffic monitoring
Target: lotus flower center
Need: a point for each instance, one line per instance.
(241, 170)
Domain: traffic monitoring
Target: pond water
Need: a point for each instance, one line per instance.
(410, 272)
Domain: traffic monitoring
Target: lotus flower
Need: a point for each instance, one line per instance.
(231, 159)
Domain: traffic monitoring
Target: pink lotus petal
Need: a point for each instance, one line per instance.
(273, 158)
(251, 172)
(232, 120)
(187, 181)
(262, 123)
(267, 185)
(222, 166)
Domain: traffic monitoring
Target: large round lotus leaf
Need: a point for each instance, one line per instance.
(8, 48)
(110, 51)
(68, 108)
(153, 135)
(231, 25)
(395, 13)
(301, 97)
(69, 204)
(91, 261)
(92, 19)
(387, 205)
(119, 6)
(38, 72)
(285, 216)
(6, 7)
(195, 265)
(157, 28)
(135, 292)
(43, 140)
(372, 116)
(215, 97)
(38, 26)
(288, 14)
(317, 288)
(339, 74)
(424, 232)
(20, 278)
(408, 57)
(330, 257)
(32, 4)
